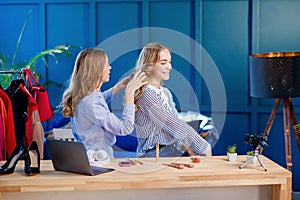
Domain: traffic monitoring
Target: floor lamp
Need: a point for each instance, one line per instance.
(277, 75)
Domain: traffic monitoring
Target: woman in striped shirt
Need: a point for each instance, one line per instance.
(156, 118)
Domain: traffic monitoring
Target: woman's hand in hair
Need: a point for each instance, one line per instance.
(121, 84)
(138, 80)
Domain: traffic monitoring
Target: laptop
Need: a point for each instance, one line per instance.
(70, 156)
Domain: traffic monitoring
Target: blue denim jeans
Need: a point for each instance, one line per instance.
(166, 151)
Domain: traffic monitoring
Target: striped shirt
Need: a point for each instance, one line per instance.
(157, 121)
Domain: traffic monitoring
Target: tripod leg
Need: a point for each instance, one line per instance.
(271, 119)
(245, 163)
(261, 163)
(287, 135)
(294, 122)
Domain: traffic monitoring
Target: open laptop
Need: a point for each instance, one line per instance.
(70, 156)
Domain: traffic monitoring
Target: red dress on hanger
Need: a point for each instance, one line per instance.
(9, 136)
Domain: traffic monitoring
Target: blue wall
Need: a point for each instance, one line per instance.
(229, 30)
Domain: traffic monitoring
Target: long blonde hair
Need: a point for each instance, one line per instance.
(148, 58)
(86, 77)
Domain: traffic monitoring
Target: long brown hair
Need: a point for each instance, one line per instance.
(86, 77)
(148, 58)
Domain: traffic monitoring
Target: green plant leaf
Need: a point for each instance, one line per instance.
(232, 148)
(20, 37)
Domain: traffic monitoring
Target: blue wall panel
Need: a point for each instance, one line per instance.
(12, 18)
(68, 23)
(225, 37)
(173, 15)
(113, 18)
(65, 24)
(278, 26)
(235, 128)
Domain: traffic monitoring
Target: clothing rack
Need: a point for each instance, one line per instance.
(14, 73)
(19, 113)
(17, 71)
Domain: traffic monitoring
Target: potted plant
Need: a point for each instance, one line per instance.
(251, 157)
(231, 153)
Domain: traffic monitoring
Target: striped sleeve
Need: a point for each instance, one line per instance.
(168, 122)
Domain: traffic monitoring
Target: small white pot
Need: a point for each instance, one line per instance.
(253, 159)
(231, 157)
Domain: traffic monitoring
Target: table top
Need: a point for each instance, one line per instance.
(210, 172)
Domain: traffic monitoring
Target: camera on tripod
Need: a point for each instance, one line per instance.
(256, 140)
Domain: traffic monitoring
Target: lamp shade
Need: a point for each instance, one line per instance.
(275, 75)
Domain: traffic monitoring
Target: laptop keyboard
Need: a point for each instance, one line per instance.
(99, 170)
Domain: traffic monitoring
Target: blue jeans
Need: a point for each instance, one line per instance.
(166, 151)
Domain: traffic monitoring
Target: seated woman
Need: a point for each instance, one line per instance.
(92, 122)
(157, 120)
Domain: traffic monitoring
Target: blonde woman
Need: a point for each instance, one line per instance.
(92, 122)
(157, 120)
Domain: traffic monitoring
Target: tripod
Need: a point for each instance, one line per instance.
(256, 155)
(288, 115)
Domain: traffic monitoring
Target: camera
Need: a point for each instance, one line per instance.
(255, 140)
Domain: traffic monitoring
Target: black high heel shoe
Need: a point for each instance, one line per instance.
(32, 160)
(10, 164)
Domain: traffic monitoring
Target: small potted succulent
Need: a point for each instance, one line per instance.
(231, 153)
(251, 157)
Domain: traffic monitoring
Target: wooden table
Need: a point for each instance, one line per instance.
(212, 178)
